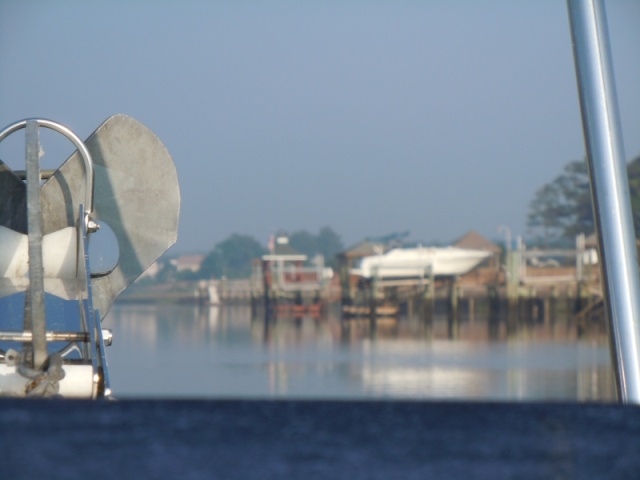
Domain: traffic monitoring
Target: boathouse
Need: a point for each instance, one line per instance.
(288, 285)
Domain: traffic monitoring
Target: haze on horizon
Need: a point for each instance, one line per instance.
(369, 117)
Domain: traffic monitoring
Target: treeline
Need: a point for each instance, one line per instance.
(562, 208)
(559, 211)
(232, 258)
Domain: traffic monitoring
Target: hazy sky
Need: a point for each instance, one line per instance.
(371, 117)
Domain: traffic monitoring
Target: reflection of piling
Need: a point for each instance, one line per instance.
(346, 297)
(373, 285)
(494, 312)
(513, 281)
(582, 297)
(528, 305)
(453, 326)
(266, 284)
(454, 293)
(428, 297)
(493, 300)
(254, 305)
(512, 309)
(471, 309)
(550, 306)
(426, 301)
(453, 301)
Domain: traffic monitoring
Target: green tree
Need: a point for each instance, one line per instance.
(232, 257)
(329, 243)
(326, 243)
(562, 208)
(304, 242)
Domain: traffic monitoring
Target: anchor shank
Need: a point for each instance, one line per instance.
(35, 313)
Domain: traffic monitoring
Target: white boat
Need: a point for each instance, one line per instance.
(421, 262)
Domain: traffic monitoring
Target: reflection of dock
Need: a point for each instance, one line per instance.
(543, 293)
(351, 311)
(297, 311)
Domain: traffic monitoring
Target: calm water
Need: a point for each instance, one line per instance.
(241, 439)
(209, 378)
(182, 351)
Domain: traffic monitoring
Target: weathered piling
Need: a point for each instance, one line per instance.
(454, 292)
(372, 299)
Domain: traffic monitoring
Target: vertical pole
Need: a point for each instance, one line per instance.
(432, 292)
(609, 189)
(580, 254)
(345, 283)
(267, 280)
(453, 297)
(373, 288)
(35, 315)
(513, 282)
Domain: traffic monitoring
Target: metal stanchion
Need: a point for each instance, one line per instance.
(610, 190)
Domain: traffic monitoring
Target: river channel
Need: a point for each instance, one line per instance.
(186, 351)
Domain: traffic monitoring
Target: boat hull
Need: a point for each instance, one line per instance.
(421, 262)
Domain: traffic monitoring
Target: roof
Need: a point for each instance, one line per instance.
(283, 251)
(473, 240)
(364, 249)
(187, 262)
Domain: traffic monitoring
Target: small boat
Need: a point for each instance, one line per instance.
(52, 303)
(422, 262)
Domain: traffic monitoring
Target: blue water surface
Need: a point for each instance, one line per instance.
(248, 439)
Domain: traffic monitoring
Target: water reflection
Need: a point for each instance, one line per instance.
(211, 352)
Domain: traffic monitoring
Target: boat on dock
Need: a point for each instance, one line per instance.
(52, 302)
(419, 263)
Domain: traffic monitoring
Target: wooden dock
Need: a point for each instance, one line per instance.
(540, 294)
